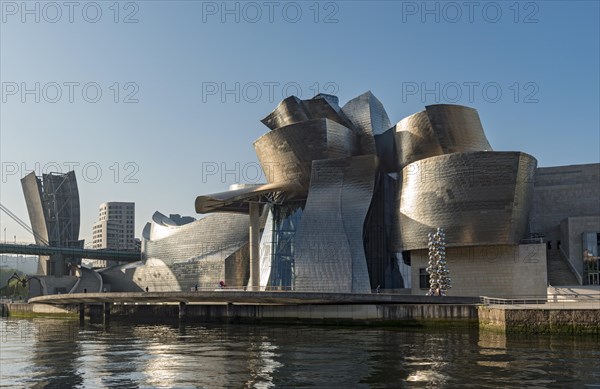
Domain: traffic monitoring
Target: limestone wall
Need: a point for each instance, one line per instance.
(494, 271)
(561, 192)
(565, 321)
(571, 230)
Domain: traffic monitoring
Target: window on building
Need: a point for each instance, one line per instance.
(558, 244)
(423, 278)
(549, 245)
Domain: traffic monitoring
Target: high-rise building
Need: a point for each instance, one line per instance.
(115, 227)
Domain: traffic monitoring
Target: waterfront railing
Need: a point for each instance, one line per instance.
(562, 300)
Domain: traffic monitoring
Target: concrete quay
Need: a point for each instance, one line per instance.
(244, 297)
(544, 316)
(347, 314)
(268, 307)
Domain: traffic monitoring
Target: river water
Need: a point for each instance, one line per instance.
(58, 353)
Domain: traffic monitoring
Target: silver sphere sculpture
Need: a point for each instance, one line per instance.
(439, 275)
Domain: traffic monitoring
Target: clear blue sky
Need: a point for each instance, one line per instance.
(543, 57)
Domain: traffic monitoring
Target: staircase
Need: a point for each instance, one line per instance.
(90, 281)
(559, 272)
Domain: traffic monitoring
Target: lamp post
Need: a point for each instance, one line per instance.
(17, 261)
(4, 255)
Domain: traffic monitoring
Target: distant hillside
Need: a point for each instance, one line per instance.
(6, 273)
(26, 264)
(9, 290)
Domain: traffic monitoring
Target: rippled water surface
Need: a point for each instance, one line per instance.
(54, 353)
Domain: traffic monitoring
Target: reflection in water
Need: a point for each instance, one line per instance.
(494, 345)
(43, 353)
(54, 353)
(262, 365)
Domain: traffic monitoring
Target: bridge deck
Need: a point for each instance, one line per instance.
(32, 249)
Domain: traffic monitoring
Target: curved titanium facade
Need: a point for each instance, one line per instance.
(439, 129)
(293, 110)
(210, 249)
(480, 198)
(368, 115)
(330, 255)
(286, 154)
(336, 215)
(216, 235)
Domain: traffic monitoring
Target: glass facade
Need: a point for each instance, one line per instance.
(278, 246)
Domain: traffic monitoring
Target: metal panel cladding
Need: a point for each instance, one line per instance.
(479, 198)
(370, 118)
(293, 110)
(330, 256)
(286, 154)
(214, 237)
(439, 129)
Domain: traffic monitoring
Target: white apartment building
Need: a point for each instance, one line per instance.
(115, 227)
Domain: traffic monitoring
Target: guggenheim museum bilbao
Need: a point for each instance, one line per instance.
(350, 200)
